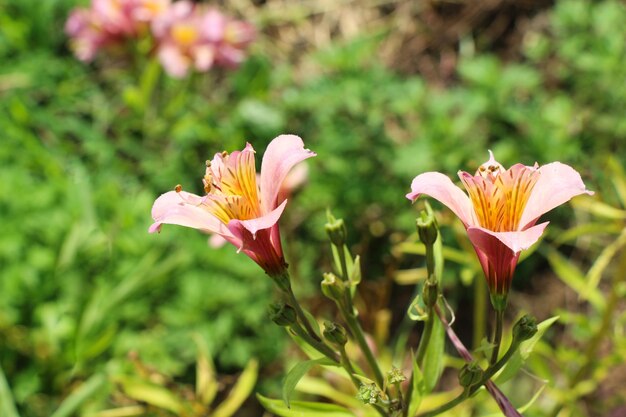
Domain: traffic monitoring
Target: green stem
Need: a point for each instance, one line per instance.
(317, 345)
(447, 406)
(497, 337)
(419, 356)
(359, 335)
(480, 319)
(303, 318)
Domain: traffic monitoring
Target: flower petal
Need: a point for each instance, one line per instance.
(486, 240)
(441, 188)
(557, 184)
(281, 155)
(260, 223)
(183, 208)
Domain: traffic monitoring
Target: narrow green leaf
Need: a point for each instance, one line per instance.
(433, 359)
(303, 408)
(323, 388)
(7, 405)
(618, 177)
(296, 373)
(523, 352)
(602, 261)
(206, 380)
(70, 405)
(574, 278)
(240, 392)
(418, 389)
(598, 208)
(152, 394)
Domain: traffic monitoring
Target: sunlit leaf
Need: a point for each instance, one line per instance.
(240, 392)
(574, 278)
(598, 208)
(152, 394)
(303, 408)
(296, 373)
(206, 381)
(321, 387)
(602, 261)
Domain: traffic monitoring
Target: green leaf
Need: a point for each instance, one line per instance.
(240, 392)
(70, 405)
(522, 353)
(602, 261)
(7, 405)
(574, 278)
(206, 380)
(296, 373)
(152, 394)
(433, 359)
(418, 389)
(303, 408)
(322, 388)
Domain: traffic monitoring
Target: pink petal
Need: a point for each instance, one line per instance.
(557, 184)
(486, 240)
(281, 155)
(174, 62)
(184, 209)
(441, 188)
(260, 223)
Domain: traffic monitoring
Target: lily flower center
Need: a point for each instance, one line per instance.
(231, 187)
(499, 196)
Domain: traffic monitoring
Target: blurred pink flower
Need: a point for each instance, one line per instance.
(235, 207)
(501, 211)
(190, 36)
(109, 22)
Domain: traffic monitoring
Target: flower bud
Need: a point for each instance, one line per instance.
(430, 293)
(524, 328)
(335, 333)
(282, 314)
(427, 228)
(470, 375)
(395, 376)
(333, 287)
(369, 393)
(336, 230)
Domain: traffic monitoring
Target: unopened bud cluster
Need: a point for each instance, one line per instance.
(282, 314)
(395, 376)
(335, 333)
(369, 393)
(470, 375)
(336, 230)
(524, 328)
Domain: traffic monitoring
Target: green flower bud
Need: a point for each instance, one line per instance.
(369, 393)
(470, 375)
(335, 333)
(395, 376)
(282, 314)
(333, 287)
(336, 230)
(524, 328)
(427, 228)
(430, 293)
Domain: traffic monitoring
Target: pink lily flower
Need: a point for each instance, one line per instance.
(501, 210)
(235, 207)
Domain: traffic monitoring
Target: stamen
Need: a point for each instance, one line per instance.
(178, 188)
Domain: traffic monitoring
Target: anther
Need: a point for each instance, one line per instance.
(178, 188)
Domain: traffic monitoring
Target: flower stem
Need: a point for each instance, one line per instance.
(497, 337)
(421, 353)
(317, 345)
(301, 315)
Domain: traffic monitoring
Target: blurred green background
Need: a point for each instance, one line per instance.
(382, 91)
